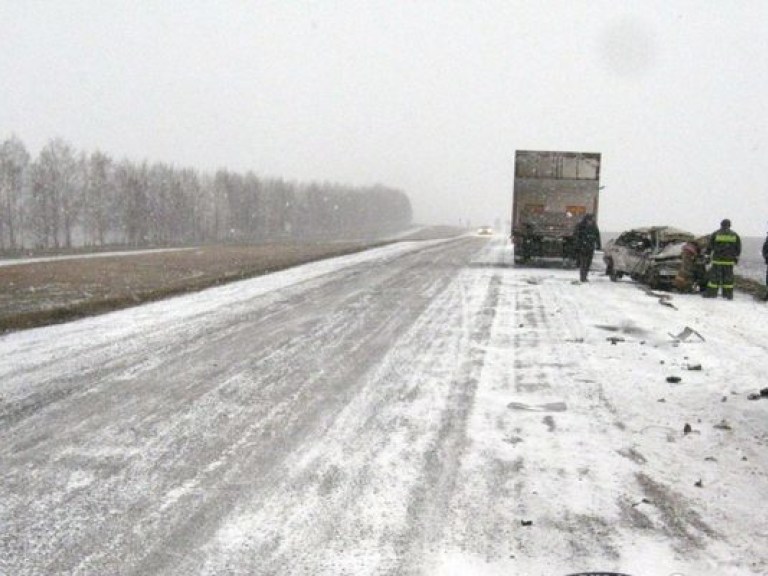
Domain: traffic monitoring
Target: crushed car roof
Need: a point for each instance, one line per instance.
(665, 233)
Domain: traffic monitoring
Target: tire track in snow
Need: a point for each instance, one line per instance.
(428, 516)
(358, 477)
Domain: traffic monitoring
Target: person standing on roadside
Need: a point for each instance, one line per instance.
(765, 257)
(586, 238)
(725, 248)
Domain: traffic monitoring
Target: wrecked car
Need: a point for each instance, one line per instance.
(652, 255)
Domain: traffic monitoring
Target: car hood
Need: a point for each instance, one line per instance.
(672, 251)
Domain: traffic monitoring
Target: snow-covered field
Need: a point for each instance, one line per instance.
(421, 408)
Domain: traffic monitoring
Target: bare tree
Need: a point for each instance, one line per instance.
(56, 194)
(14, 161)
(98, 198)
(132, 202)
(70, 199)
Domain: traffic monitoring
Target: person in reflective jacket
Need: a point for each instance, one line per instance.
(765, 257)
(586, 238)
(725, 248)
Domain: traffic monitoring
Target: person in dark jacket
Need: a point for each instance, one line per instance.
(765, 257)
(725, 248)
(586, 237)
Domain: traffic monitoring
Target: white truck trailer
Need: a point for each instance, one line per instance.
(553, 191)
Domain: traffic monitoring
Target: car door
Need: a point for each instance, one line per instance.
(638, 254)
(631, 255)
(619, 253)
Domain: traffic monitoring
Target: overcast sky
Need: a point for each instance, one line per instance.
(432, 97)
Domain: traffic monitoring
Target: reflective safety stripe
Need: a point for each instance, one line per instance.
(728, 286)
(722, 263)
(726, 238)
(712, 285)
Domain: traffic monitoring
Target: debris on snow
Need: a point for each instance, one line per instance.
(693, 367)
(686, 334)
(757, 396)
(674, 379)
(723, 425)
(664, 299)
(526, 522)
(699, 483)
(687, 429)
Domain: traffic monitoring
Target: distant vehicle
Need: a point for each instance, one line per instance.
(553, 191)
(485, 231)
(651, 255)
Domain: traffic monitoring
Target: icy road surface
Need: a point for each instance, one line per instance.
(414, 409)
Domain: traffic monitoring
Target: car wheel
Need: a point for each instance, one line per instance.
(612, 274)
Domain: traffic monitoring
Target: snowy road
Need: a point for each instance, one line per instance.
(413, 409)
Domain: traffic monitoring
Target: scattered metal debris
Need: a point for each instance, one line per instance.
(757, 396)
(686, 334)
(664, 299)
(674, 379)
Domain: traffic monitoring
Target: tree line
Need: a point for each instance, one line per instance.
(66, 199)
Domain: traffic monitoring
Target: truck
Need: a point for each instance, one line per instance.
(553, 191)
